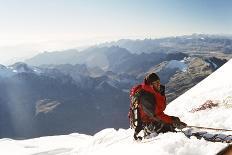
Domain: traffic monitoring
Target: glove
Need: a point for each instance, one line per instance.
(177, 123)
(175, 119)
(162, 90)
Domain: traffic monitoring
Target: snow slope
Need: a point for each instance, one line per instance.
(217, 87)
(109, 141)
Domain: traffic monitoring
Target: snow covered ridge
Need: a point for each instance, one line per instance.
(8, 71)
(216, 87)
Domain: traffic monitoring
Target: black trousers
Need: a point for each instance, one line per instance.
(158, 127)
(155, 127)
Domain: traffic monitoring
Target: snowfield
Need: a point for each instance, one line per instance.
(217, 88)
(109, 141)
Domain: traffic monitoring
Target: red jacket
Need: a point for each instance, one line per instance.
(156, 101)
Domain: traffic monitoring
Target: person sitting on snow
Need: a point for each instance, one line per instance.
(148, 102)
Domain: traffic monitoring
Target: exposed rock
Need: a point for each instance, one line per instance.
(180, 82)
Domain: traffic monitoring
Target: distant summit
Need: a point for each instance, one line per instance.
(103, 54)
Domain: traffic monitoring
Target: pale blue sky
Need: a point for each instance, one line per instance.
(55, 23)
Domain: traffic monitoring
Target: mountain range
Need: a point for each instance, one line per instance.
(216, 89)
(86, 91)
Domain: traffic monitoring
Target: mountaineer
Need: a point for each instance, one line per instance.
(148, 102)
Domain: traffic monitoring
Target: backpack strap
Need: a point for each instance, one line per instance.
(135, 119)
(134, 113)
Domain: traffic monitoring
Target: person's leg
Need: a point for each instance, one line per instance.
(156, 128)
(137, 130)
(166, 128)
(148, 129)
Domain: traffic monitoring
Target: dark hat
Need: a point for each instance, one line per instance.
(151, 78)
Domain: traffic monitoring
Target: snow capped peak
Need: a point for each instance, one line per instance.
(16, 68)
(2, 67)
(20, 67)
(5, 71)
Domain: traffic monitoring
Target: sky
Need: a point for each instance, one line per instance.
(30, 26)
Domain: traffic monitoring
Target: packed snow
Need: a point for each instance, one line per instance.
(109, 141)
(217, 88)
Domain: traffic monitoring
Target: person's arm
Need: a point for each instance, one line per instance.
(165, 118)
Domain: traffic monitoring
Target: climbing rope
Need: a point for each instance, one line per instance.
(207, 128)
(223, 138)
